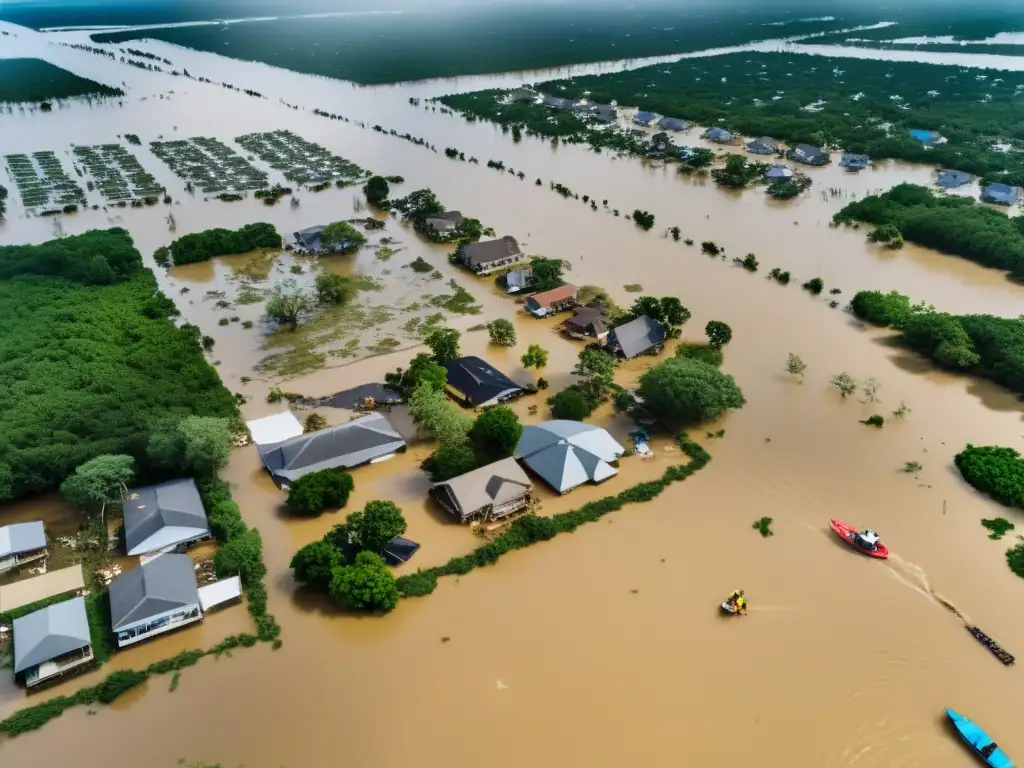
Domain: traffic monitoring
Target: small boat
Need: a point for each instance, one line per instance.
(730, 608)
(849, 534)
(979, 741)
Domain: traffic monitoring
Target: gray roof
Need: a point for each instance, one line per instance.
(637, 336)
(764, 144)
(21, 537)
(949, 178)
(446, 221)
(162, 584)
(495, 483)
(50, 632)
(806, 152)
(309, 237)
(341, 447)
(163, 515)
(558, 103)
(999, 193)
(719, 134)
(488, 251)
(778, 172)
(671, 124)
(566, 454)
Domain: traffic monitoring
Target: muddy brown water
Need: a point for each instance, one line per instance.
(604, 646)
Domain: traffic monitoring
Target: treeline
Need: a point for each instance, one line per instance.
(90, 362)
(951, 224)
(984, 345)
(210, 243)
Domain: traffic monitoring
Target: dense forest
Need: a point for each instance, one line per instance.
(947, 223)
(861, 105)
(90, 361)
(984, 345)
(33, 80)
(210, 243)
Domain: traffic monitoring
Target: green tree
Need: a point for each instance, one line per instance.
(444, 343)
(596, 370)
(845, 383)
(373, 526)
(242, 556)
(888, 234)
(683, 391)
(643, 219)
(795, 366)
(571, 404)
(534, 357)
(376, 190)
(196, 446)
(502, 332)
(450, 460)
(422, 370)
(673, 313)
(335, 289)
(995, 471)
(226, 521)
(366, 585)
(437, 416)
(99, 481)
(495, 434)
(547, 273)
(288, 303)
(313, 493)
(719, 334)
(314, 563)
(342, 237)
(3, 200)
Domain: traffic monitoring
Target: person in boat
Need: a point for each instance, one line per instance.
(988, 749)
(738, 603)
(867, 539)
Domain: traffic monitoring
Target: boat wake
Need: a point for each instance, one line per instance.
(914, 576)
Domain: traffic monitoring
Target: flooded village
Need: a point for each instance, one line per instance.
(605, 645)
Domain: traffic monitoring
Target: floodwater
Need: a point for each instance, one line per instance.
(605, 646)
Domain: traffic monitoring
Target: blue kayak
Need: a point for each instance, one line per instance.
(980, 741)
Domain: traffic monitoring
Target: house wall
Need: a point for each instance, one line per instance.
(158, 624)
(20, 559)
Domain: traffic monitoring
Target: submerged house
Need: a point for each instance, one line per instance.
(672, 124)
(588, 321)
(489, 255)
(52, 641)
(523, 94)
(308, 239)
(518, 280)
(445, 222)
(159, 596)
(599, 113)
(765, 145)
(551, 302)
(644, 118)
(854, 162)
(928, 138)
(476, 383)
(159, 517)
(21, 543)
(555, 102)
(808, 155)
(948, 179)
(488, 493)
(566, 454)
(361, 441)
(1000, 194)
(719, 135)
(777, 172)
(636, 337)
(275, 428)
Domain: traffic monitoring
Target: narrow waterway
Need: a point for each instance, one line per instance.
(606, 646)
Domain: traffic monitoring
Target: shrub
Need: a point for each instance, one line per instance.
(998, 526)
(313, 493)
(495, 434)
(1015, 559)
(314, 564)
(366, 585)
(502, 332)
(571, 404)
(685, 391)
(764, 526)
(450, 460)
(242, 556)
(314, 423)
(719, 334)
(876, 420)
(226, 522)
(815, 285)
(703, 352)
(995, 471)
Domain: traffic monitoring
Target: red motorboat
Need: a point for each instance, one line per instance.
(866, 541)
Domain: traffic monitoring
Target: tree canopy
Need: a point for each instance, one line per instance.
(287, 304)
(317, 491)
(437, 416)
(342, 237)
(502, 332)
(571, 404)
(547, 273)
(995, 471)
(314, 563)
(195, 446)
(376, 190)
(366, 585)
(495, 434)
(335, 289)
(99, 481)
(373, 526)
(444, 343)
(719, 334)
(685, 391)
(422, 370)
(210, 243)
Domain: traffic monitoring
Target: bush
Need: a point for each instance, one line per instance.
(571, 404)
(876, 420)
(202, 246)
(226, 522)
(313, 493)
(502, 333)
(685, 391)
(703, 352)
(1015, 559)
(335, 289)
(314, 564)
(815, 285)
(995, 471)
(495, 434)
(891, 310)
(242, 556)
(366, 585)
(372, 527)
(998, 527)
(450, 460)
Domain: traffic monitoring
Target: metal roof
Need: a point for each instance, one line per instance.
(341, 447)
(492, 484)
(274, 429)
(637, 336)
(21, 537)
(159, 516)
(162, 584)
(566, 454)
(50, 632)
(478, 380)
(487, 251)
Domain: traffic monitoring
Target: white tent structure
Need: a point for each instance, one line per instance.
(274, 429)
(566, 454)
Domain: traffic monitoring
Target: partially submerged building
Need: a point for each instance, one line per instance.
(21, 543)
(487, 493)
(566, 454)
(926, 137)
(489, 255)
(765, 145)
(949, 179)
(517, 280)
(808, 155)
(475, 383)
(309, 239)
(551, 302)
(554, 102)
(164, 516)
(777, 172)
(588, 321)
(854, 162)
(719, 135)
(644, 334)
(52, 641)
(644, 118)
(1000, 194)
(445, 222)
(599, 113)
(157, 597)
(275, 428)
(361, 441)
(672, 124)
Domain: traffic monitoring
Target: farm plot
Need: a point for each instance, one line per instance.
(209, 165)
(116, 173)
(299, 160)
(41, 181)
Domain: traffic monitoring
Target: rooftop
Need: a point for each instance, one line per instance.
(21, 537)
(160, 516)
(159, 585)
(50, 632)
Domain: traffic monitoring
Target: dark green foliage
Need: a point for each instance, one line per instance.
(531, 529)
(887, 234)
(241, 556)
(683, 391)
(421, 265)
(314, 563)
(643, 219)
(571, 404)
(998, 526)
(372, 527)
(419, 206)
(444, 343)
(450, 460)
(342, 237)
(815, 285)
(891, 310)
(749, 262)
(703, 352)
(502, 332)
(366, 585)
(83, 371)
(738, 172)
(1014, 559)
(779, 276)
(335, 289)
(876, 420)
(668, 311)
(3, 200)
(995, 471)
(25, 80)
(202, 246)
(313, 493)
(764, 527)
(376, 190)
(951, 224)
(422, 370)
(226, 521)
(547, 273)
(710, 247)
(495, 434)
(719, 334)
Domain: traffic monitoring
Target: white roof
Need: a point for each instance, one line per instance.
(567, 454)
(274, 429)
(21, 537)
(219, 592)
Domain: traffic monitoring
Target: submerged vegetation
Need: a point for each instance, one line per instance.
(995, 471)
(34, 80)
(210, 243)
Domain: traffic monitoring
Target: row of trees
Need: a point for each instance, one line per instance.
(210, 243)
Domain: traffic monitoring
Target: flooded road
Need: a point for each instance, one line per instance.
(603, 647)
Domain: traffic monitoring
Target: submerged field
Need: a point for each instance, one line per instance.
(30, 80)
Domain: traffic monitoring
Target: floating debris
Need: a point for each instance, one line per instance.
(997, 650)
